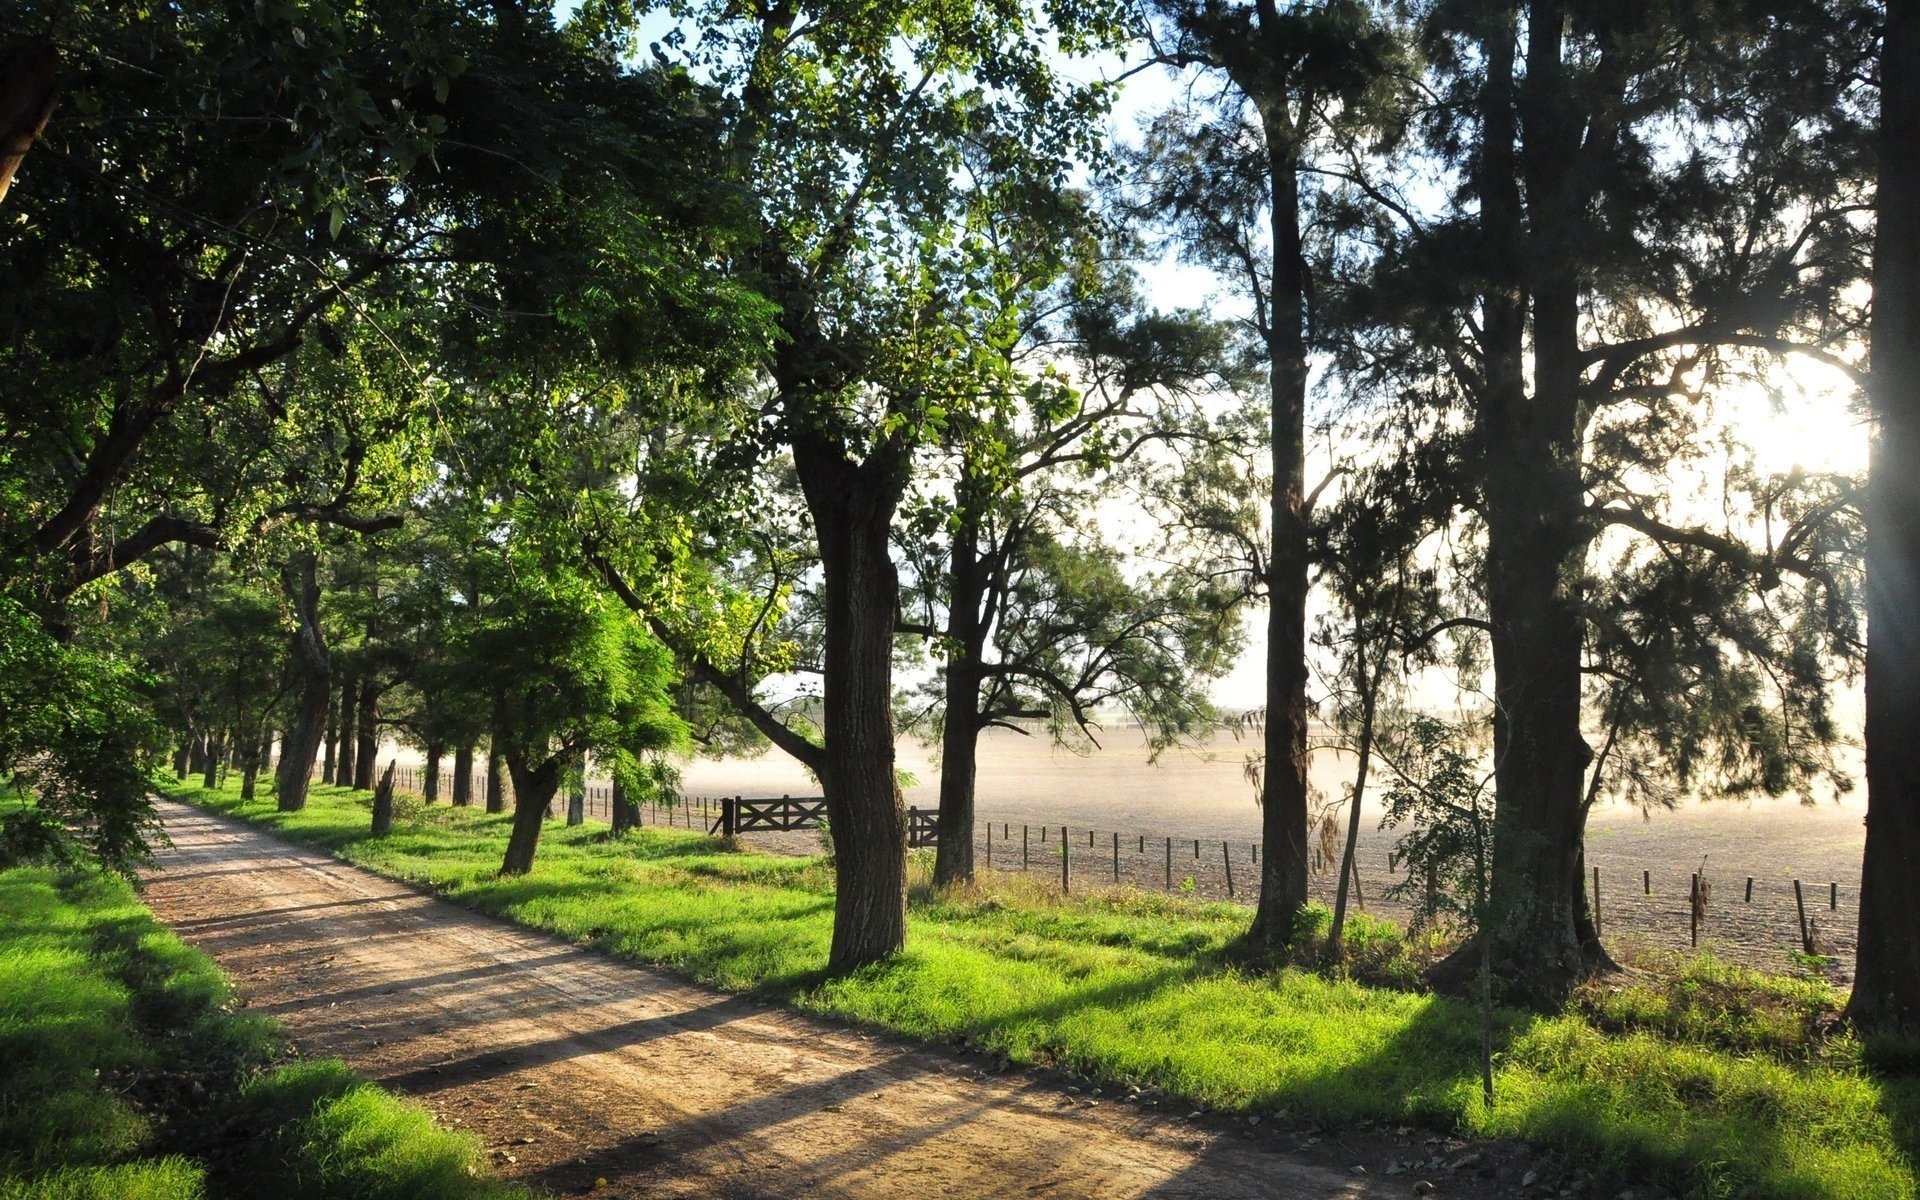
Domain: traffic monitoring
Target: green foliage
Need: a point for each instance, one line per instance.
(75, 738)
(566, 670)
(1138, 988)
(123, 1051)
(1439, 792)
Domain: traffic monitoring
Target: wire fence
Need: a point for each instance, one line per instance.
(1749, 918)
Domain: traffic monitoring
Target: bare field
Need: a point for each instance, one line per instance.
(1203, 795)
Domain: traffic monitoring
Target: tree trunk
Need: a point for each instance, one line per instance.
(430, 772)
(626, 812)
(960, 735)
(29, 88)
(959, 768)
(1283, 782)
(852, 507)
(216, 754)
(383, 802)
(463, 775)
(349, 721)
(181, 757)
(532, 792)
(332, 743)
(496, 795)
(1886, 986)
(299, 577)
(1371, 683)
(197, 754)
(367, 753)
(1534, 509)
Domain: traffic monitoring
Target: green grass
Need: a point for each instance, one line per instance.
(1712, 1081)
(125, 1072)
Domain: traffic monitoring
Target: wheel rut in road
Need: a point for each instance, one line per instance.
(586, 1074)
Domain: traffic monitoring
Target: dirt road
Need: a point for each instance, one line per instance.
(576, 1069)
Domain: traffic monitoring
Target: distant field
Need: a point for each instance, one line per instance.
(1203, 794)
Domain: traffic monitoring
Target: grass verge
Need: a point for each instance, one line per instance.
(125, 1073)
(1712, 1081)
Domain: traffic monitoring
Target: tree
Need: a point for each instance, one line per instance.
(1886, 988)
(1370, 544)
(221, 269)
(567, 672)
(1303, 80)
(314, 666)
(874, 148)
(1032, 611)
(1574, 362)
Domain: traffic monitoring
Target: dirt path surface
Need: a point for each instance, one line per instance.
(577, 1069)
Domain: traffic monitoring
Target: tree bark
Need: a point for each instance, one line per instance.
(197, 753)
(533, 790)
(300, 579)
(383, 803)
(496, 795)
(1533, 504)
(181, 757)
(463, 775)
(29, 89)
(1886, 987)
(626, 812)
(430, 772)
(332, 738)
(343, 767)
(1283, 782)
(960, 736)
(852, 506)
(216, 754)
(367, 753)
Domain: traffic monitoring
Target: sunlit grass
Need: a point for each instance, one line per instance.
(120, 1050)
(1713, 1081)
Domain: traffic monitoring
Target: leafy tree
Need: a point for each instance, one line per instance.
(1561, 327)
(76, 738)
(880, 149)
(567, 672)
(1031, 610)
(1377, 566)
(1886, 988)
(1234, 178)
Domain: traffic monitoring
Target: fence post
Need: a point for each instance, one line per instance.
(1749, 889)
(1023, 847)
(1800, 903)
(1646, 882)
(1143, 844)
(1693, 913)
(1226, 857)
(1833, 895)
(989, 845)
(730, 815)
(1169, 863)
(1196, 849)
(1066, 861)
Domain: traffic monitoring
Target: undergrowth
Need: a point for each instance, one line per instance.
(1711, 1080)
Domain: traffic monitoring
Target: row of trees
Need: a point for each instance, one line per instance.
(536, 388)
